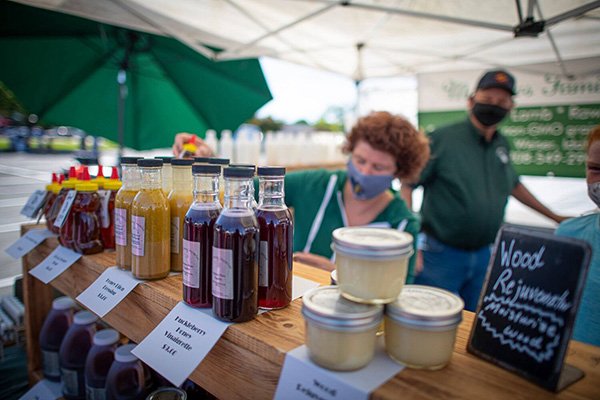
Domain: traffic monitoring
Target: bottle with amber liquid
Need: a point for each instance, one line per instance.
(235, 251)
(150, 224)
(180, 200)
(85, 220)
(123, 199)
(198, 235)
(276, 240)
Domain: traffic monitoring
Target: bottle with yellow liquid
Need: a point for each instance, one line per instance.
(150, 224)
(123, 200)
(223, 162)
(180, 199)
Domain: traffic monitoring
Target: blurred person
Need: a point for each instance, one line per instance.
(587, 227)
(466, 185)
(202, 149)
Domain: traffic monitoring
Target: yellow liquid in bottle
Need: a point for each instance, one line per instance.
(151, 235)
(123, 201)
(179, 203)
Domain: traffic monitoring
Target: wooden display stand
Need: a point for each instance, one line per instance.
(247, 361)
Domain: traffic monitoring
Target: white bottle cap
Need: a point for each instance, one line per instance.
(106, 337)
(84, 318)
(124, 354)
(63, 303)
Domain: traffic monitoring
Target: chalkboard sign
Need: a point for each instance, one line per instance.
(527, 308)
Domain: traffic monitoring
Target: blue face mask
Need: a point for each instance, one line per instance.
(366, 187)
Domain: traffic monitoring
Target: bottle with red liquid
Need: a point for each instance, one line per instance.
(66, 186)
(52, 191)
(107, 210)
(98, 362)
(198, 236)
(127, 377)
(53, 331)
(84, 217)
(73, 353)
(276, 240)
(235, 251)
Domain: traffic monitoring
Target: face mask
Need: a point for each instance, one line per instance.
(594, 192)
(366, 187)
(489, 114)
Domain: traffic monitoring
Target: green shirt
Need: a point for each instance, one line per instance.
(305, 191)
(466, 186)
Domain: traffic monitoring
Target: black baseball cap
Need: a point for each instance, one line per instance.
(497, 79)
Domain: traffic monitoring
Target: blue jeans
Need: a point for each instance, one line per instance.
(459, 271)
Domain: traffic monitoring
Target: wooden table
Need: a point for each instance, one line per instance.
(247, 361)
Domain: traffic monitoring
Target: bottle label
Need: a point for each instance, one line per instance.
(121, 226)
(137, 235)
(92, 393)
(191, 263)
(70, 381)
(222, 273)
(175, 235)
(263, 264)
(65, 209)
(104, 199)
(50, 364)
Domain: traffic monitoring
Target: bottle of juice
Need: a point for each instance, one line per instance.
(223, 162)
(51, 193)
(253, 168)
(150, 225)
(167, 174)
(66, 229)
(52, 334)
(98, 362)
(73, 352)
(276, 240)
(107, 213)
(180, 200)
(84, 216)
(66, 187)
(127, 378)
(198, 236)
(123, 199)
(235, 251)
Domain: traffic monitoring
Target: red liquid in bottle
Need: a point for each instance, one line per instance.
(235, 266)
(107, 232)
(127, 378)
(60, 199)
(47, 207)
(85, 223)
(98, 362)
(52, 334)
(275, 264)
(197, 256)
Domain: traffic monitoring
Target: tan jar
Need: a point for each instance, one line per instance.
(372, 263)
(420, 326)
(340, 334)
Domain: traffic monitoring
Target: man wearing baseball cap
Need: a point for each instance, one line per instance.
(466, 185)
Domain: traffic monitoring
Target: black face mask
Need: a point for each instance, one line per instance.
(489, 114)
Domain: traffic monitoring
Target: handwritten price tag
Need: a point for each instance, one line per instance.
(180, 342)
(65, 208)
(55, 264)
(28, 242)
(111, 287)
(34, 204)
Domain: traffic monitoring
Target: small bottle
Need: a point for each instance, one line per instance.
(98, 362)
(211, 140)
(252, 193)
(86, 224)
(53, 331)
(107, 210)
(223, 162)
(235, 251)
(52, 191)
(167, 174)
(180, 200)
(127, 377)
(73, 352)
(198, 234)
(67, 186)
(226, 144)
(123, 199)
(150, 225)
(276, 240)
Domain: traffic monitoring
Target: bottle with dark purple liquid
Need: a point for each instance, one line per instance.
(276, 240)
(198, 236)
(235, 251)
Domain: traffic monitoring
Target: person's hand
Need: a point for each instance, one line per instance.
(314, 261)
(202, 149)
(560, 218)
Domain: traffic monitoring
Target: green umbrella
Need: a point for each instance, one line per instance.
(65, 70)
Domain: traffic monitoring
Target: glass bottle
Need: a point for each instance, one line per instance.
(53, 331)
(235, 251)
(98, 362)
(276, 240)
(167, 174)
(67, 186)
(198, 235)
(180, 200)
(107, 213)
(223, 162)
(150, 224)
(86, 224)
(123, 199)
(253, 168)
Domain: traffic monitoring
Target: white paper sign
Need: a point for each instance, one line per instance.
(111, 287)
(104, 200)
(302, 379)
(43, 390)
(28, 242)
(301, 286)
(65, 208)
(34, 203)
(55, 264)
(180, 342)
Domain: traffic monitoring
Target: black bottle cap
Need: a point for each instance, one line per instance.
(182, 162)
(271, 171)
(206, 169)
(238, 172)
(150, 162)
(165, 159)
(202, 159)
(130, 160)
(220, 161)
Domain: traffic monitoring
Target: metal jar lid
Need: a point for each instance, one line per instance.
(426, 307)
(325, 307)
(380, 243)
